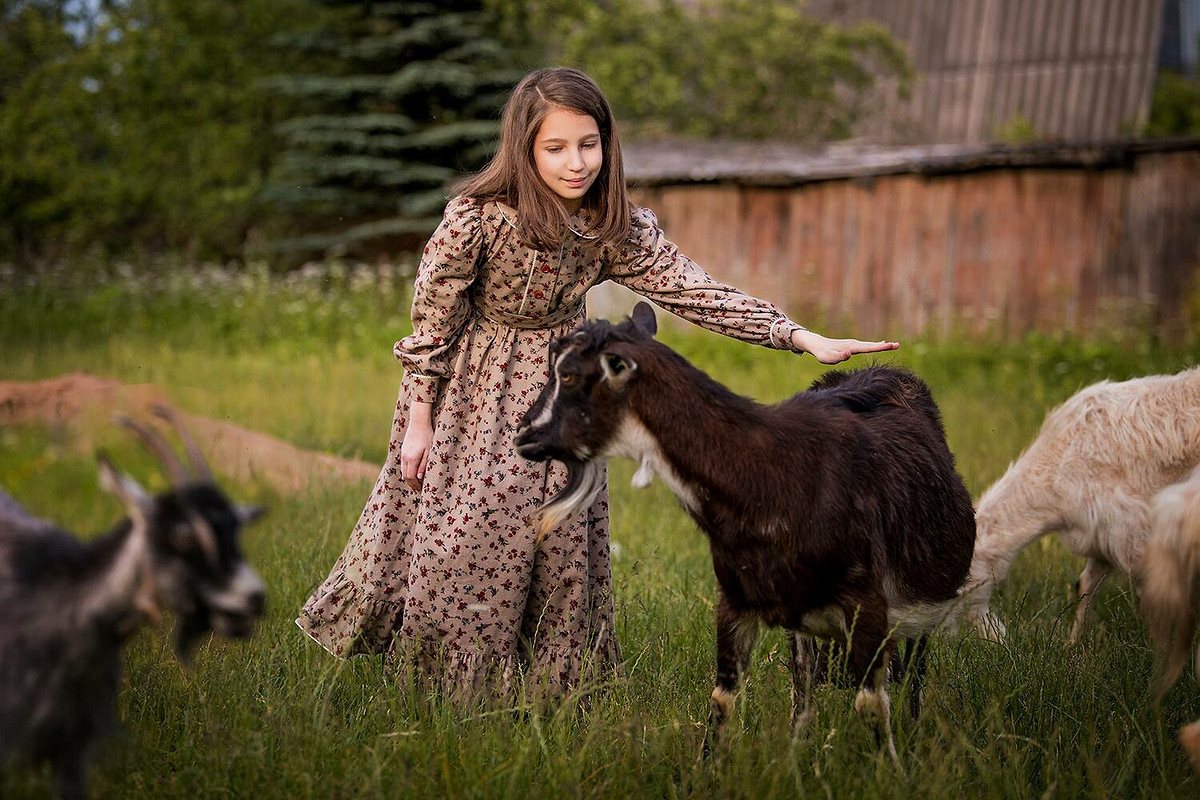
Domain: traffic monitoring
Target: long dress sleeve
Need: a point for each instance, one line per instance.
(441, 305)
(652, 266)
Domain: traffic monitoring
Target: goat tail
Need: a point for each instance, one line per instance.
(584, 481)
(1171, 577)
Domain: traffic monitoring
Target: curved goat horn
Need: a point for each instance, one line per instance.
(199, 464)
(159, 447)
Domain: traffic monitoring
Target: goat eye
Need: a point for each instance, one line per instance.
(569, 378)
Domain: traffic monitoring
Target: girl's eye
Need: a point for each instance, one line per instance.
(590, 145)
(553, 149)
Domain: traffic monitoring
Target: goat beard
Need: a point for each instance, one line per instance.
(585, 479)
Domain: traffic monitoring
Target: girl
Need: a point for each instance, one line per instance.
(443, 568)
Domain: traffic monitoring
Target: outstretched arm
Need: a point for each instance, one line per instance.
(835, 351)
(651, 265)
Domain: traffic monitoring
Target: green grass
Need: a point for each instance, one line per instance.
(310, 361)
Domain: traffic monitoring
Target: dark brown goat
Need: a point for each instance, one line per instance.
(837, 513)
(70, 606)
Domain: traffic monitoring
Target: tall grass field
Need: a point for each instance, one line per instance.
(307, 358)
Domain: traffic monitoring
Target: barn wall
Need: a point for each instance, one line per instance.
(999, 252)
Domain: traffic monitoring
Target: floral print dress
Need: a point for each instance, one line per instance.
(451, 578)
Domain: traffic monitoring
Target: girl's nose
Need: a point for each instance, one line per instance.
(575, 160)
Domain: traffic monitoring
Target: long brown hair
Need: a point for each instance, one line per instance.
(512, 178)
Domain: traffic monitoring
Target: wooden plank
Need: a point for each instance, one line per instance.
(883, 222)
(833, 250)
(802, 292)
(1007, 233)
(902, 308)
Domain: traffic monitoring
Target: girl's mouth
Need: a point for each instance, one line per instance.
(576, 182)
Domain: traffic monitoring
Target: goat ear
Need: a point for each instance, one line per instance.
(126, 584)
(249, 514)
(617, 369)
(131, 494)
(643, 318)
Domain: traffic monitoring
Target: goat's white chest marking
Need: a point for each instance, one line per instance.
(634, 441)
(828, 621)
(644, 474)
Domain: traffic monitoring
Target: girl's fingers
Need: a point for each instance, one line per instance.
(852, 346)
(410, 472)
(413, 468)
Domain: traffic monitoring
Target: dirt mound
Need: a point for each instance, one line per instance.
(87, 402)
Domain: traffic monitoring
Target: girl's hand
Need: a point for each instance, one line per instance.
(414, 451)
(835, 351)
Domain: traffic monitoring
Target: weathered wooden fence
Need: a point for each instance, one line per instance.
(943, 240)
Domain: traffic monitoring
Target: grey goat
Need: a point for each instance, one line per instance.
(70, 606)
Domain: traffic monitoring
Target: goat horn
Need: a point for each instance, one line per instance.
(199, 464)
(159, 447)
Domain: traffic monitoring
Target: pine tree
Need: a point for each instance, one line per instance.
(406, 99)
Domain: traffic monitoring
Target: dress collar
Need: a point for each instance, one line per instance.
(579, 222)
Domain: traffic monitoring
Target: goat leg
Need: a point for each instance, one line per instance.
(870, 655)
(70, 776)
(736, 634)
(1094, 572)
(803, 667)
(913, 662)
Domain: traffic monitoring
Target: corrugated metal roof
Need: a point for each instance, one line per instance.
(1071, 69)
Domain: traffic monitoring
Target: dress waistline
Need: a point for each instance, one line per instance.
(551, 320)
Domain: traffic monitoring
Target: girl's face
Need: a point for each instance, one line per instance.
(567, 154)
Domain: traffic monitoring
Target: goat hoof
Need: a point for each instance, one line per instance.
(712, 746)
(870, 704)
(992, 629)
(803, 720)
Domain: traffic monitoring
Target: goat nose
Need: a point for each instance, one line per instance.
(526, 445)
(524, 431)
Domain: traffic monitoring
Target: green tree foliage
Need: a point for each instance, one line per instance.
(136, 127)
(715, 68)
(1174, 107)
(408, 99)
(35, 52)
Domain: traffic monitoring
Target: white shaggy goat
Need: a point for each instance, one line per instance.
(70, 606)
(1089, 476)
(1171, 587)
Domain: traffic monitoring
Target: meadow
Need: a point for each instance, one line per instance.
(308, 358)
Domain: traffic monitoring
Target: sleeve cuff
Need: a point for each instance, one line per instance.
(781, 333)
(421, 388)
